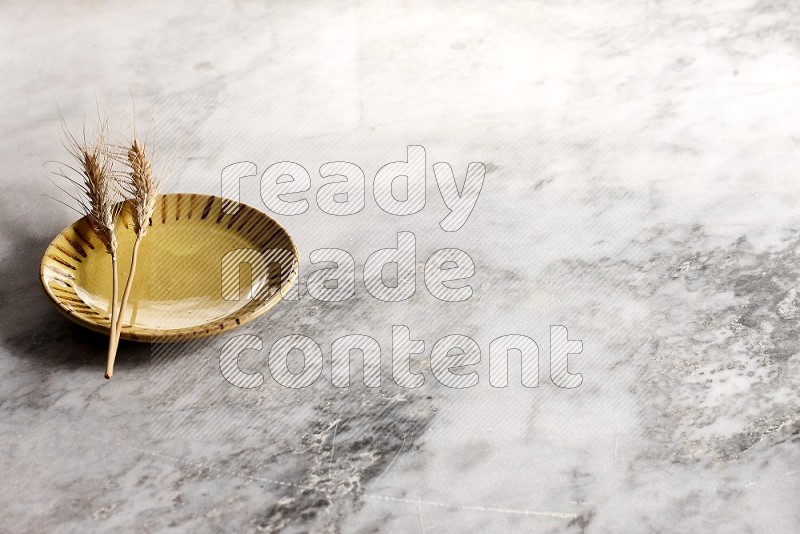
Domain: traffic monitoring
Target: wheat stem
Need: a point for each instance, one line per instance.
(128, 285)
(112, 343)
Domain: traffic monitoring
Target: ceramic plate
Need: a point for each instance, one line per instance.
(178, 290)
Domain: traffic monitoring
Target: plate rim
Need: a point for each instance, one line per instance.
(206, 329)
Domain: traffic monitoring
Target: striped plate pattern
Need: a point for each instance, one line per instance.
(179, 270)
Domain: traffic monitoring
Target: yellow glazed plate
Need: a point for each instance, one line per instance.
(178, 291)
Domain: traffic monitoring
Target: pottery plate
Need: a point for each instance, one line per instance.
(179, 291)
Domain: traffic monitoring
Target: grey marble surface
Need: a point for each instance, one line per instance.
(641, 189)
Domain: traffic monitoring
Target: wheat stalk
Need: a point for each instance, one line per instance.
(98, 196)
(143, 187)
